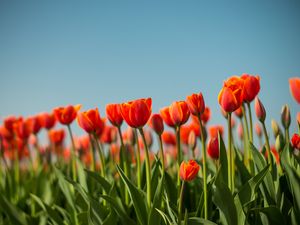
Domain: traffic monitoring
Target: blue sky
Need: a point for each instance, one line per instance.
(55, 53)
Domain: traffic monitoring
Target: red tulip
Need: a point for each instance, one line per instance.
(35, 124)
(295, 88)
(90, 121)
(189, 170)
(66, 115)
(231, 95)
(109, 135)
(296, 141)
(57, 136)
(113, 113)
(298, 118)
(137, 113)
(213, 148)
(239, 112)
(205, 116)
(23, 128)
(179, 112)
(260, 110)
(165, 114)
(9, 122)
(251, 87)
(195, 103)
(47, 120)
(156, 123)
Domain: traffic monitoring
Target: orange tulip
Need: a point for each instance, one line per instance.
(296, 141)
(165, 114)
(298, 118)
(295, 88)
(205, 116)
(47, 120)
(260, 110)
(9, 122)
(189, 170)
(35, 124)
(137, 113)
(57, 136)
(251, 87)
(169, 138)
(113, 113)
(109, 135)
(231, 95)
(196, 104)
(213, 148)
(179, 112)
(90, 121)
(156, 123)
(66, 115)
(213, 130)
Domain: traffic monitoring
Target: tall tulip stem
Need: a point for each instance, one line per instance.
(204, 167)
(100, 152)
(270, 161)
(180, 203)
(138, 161)
(231, 165)
(73, 162)
(179, 159)
(250, 121)
(148, 169)
(161, 148)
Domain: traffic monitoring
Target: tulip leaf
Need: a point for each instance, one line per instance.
(223, 199)
(223, 161)
(16, 216)
(100, 180)
(199, 221)
(273, 214)
(137, 197)
(154, 217)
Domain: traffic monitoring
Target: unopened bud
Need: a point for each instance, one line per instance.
(260, 110)
(192, 140)
(286, 117)
(275, 128)
(279, 143)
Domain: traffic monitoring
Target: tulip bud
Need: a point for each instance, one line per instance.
(260, 110)
(279, 143)
(188, 170)
(275, 128)
(156, 123)
(192, 140)
(296, 141)
(285, 117)
(213, 148)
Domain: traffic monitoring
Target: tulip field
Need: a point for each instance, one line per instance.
(192, 174)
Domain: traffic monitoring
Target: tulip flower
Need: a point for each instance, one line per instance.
(295, 88)
(9, 122)
(156, 123)
(66, 115)
(231, 95)
(165, 114)
(113, 113)
(295, 141)
(195, 103)
(23, 128)
(192, 142)
(214, 130)
(188, 171)
(179, 112)
(260, 110)
(57, 136)
(258, 130)
(136, 114)
(286, 121)
(239, 112)
(213, 148)
(275, 128)
(251, 87)
(91, 122)
(168, 138)
(47, 120)
(261, 116)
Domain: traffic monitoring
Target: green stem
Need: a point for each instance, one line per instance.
(247, 157)
(287, 135)
(178, 144)
(138, 161)
(180, 203)
(270, 161)
(250, 121)
(125, 162)
(74, 174)
(231, 157)
(148, 169)
(93, 153)
(161, 154)
(204, 167)
(100, 152)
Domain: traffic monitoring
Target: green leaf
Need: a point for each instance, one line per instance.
(65, 187)
(117, 205)
(138, 198)
(223, 199)
(16, 216)
(273, 214)
(81, 174)
(164, 216)
(247, 192)
(199, 221)
(100, 180)
(268, 189)
(223, 160)
(154, 217)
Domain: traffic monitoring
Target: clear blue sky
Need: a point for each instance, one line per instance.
(55, 53)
